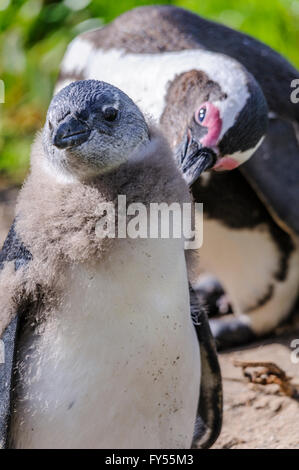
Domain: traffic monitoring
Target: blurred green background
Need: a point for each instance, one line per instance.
(34, 35)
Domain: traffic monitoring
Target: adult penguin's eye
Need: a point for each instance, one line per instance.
(110, 113)
(201, 114)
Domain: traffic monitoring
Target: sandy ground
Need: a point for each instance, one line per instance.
(255, 416)
(260, 416)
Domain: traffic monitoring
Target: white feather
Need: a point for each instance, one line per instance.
(145, 77)
(118, 365)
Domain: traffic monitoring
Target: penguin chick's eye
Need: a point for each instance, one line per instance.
(201, 114)
(110, 113)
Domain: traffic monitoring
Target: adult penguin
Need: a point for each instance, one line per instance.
(251, 214)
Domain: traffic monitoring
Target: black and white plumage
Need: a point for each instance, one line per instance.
(12, 251)
(251, 214)
(205, 101)
(99, 332)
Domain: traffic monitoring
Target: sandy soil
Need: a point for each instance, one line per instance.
(255, 416)
(260, 416)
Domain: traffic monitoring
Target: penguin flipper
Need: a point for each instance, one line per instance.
(13, 251)
(273, 173)
(6, 369)
(210, 407)
(231, 331)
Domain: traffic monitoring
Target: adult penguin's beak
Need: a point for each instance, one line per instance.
(193, 158)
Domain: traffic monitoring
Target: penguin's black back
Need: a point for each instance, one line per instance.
(166, 28)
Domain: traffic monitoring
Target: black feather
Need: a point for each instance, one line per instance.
(209, 414)
(13, 250)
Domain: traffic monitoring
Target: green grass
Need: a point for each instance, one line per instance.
(35, 33)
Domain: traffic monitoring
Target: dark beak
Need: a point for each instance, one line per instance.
(70, 133)
(194, 159)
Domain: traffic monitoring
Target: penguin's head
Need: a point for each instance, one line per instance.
(91, 128)
(216, 120)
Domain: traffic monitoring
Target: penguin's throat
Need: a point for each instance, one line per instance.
(226, 163)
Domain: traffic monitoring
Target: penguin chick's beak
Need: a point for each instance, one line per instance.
(194, 159)
(70, 133)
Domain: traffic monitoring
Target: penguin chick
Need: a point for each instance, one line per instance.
(77, 125)
(105, 343)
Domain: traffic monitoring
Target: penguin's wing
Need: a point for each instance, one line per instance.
(273, 172)
(209, 414)
(13, 251)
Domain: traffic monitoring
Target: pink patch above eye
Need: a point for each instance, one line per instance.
(212, 121)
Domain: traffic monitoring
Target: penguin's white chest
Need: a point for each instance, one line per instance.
(118, 364)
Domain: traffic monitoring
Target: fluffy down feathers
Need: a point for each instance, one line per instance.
(56, 222)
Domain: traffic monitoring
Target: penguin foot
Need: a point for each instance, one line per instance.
(231, 332)
(211, 294)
